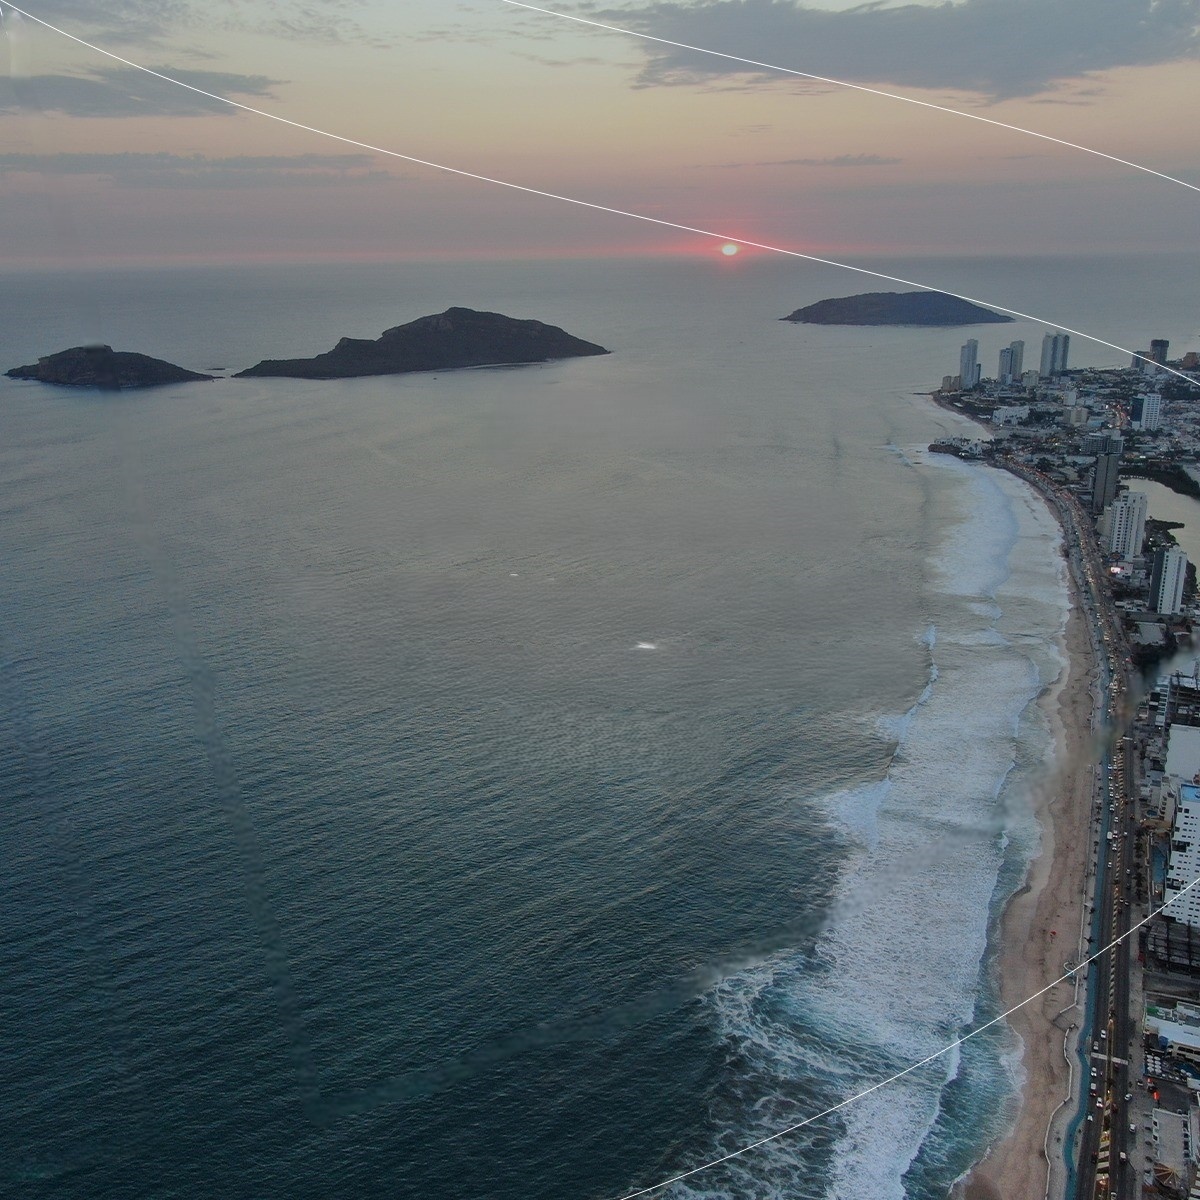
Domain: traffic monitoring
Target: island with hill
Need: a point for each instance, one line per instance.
(104, 367)
(459, 337)
(896, 308)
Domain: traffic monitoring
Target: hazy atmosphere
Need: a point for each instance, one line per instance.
(100, 163)
(503, 698)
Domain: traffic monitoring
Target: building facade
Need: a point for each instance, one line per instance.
(1126, 519)
(1183, 866)
(968, 364)
(1012, 361)
(1146, 411)
(1054, 354)
(1104, 482)
(1166, 581)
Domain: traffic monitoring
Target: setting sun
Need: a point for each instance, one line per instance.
(729, 248)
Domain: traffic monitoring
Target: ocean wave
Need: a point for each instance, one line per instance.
(899, 971)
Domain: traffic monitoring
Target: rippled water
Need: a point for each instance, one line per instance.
(505, 783)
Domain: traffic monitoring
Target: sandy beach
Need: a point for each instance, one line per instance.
(1051, 900)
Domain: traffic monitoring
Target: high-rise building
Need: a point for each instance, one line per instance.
(1145, 411)
(1054, 354)
(968, 364)
(1127, 524)
(1183, 866)
(1012, 359)
(1104, 482)
(1103, 441)
(1166, 581)
(1158, 350)
(1138, 361)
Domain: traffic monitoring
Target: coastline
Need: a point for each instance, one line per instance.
(1050, 897)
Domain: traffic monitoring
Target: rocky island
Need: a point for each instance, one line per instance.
(104, 367)
(896, 308)
(459, 337)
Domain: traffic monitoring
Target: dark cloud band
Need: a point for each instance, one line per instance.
(124, 92)
(996, 48)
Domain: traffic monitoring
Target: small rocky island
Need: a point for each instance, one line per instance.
(896, 308)
(104, 367)
(459, 337)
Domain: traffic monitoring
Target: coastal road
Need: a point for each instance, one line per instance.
(1102, 1171)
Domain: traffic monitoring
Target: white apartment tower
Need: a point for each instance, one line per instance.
(1184, 864)
(1054, 354)
(968, 364)
(1166, 581)
(1126, 520)
(1150, 414)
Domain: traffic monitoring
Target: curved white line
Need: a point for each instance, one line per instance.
(914, 1066)
(858, 87)
(617, 212)
(758, 246)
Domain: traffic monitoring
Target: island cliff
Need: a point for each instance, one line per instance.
(103, 367)
(896, 308)
(459, 337)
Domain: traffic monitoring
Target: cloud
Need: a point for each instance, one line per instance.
(581, 61)
(126, 21)
(154, 23)
(838, 160)
(125, 92)
(164, 170)
(994, 48)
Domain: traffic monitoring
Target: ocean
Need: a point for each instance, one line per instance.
(526, 782)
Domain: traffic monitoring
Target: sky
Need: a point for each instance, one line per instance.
(101, 163)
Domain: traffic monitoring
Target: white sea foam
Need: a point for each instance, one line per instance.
(896, 974)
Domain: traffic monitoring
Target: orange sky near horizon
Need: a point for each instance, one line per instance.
(825, 171)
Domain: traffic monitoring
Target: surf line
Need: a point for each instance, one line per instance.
(875, 1087)
(588, 204)
(858, 87)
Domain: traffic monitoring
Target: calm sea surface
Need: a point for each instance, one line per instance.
(515, 783)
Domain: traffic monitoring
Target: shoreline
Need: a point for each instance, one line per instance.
(1029, 1158)
(1016, 1167)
